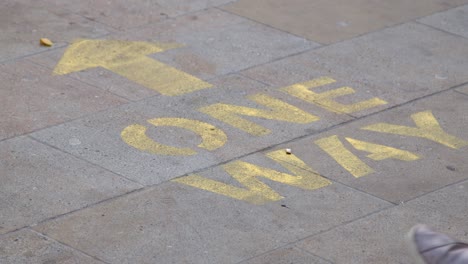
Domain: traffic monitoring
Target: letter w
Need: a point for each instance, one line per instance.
(255, 191)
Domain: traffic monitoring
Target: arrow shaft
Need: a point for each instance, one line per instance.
(158, 76)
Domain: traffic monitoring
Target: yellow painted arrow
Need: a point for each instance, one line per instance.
(129, 59)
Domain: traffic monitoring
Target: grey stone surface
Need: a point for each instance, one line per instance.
(454, 20)
(180, 7)
(123, 15)
(393, 179)
(28, 247)
(24, 22)
(174, 223)
(380, 238)
(286, 255)
(117, 14)
(333, 21)
(395, 64)
(39, 182)
(33, 99)
(218, 43)
(102, 143)
(463, 89)
(72, 191)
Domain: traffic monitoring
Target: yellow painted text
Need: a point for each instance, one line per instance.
(279, 110)
(326, 99)
(212, 137)
(255, 191)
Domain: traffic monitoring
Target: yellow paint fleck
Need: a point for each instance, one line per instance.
(255, 191)
(325, 99)
(128, 59)
(427, 127)
(278, 110)
(381, 152)
(212, 137)
(333, 147)
(46, 42)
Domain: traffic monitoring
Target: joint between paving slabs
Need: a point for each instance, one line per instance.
(439, 29)
(89, 162)
(293, 243)
(261, 23)
(66, 245)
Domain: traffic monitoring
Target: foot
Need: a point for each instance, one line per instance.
(437, 248)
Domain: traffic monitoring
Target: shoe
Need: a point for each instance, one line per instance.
(437, 248)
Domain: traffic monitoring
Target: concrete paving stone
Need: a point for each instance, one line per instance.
(174, 223)
(393, 179)
(39, 182)
(24, 22)
(463, 89)
(123, 15)
(34, 99)
(28, 247)
(118, 14)
(334, 21)
(454, 20)
(101, 142)
(98, 77)
(285, 256)
(179, 7)
(217, 43)
(380, 238)
(396, 64)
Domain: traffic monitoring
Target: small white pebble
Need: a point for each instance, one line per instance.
(288, 151)
(74, 142)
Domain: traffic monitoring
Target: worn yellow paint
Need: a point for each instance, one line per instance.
(255, 191)
(381, 152)
(212, 137)
(427, 127)
(333, 146)
(326, 99)
(128, 58)
(279, 110)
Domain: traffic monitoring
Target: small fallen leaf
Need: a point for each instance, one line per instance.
(46, 42)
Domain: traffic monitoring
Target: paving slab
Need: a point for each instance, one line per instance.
(427, 167)
(286, 255)
(334, 21)
(101, 141)
(35, 99)
(380, 238)
(24, 22)
(123, 15)
(463, 89)
(395, 64)
(180, 7)
(28, 247)
(39, 182)
(218, 43)
(119, 15)
(175, 223)
(453, 20)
